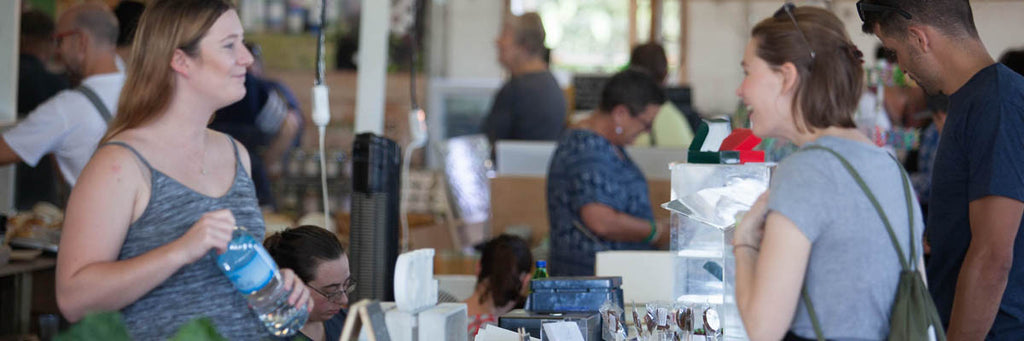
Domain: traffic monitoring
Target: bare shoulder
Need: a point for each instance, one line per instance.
(113, 162)
(115, 165)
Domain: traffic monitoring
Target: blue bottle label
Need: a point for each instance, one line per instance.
(255, 274)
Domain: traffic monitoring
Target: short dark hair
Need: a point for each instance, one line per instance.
(1013, 59)
(650, 57)
(36, 27)
(830, 80)
(633, 88)
(303, 248)
(951, 17)
(505, 258)
(128, 14)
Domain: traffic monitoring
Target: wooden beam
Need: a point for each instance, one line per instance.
(632, 23)
(655, 33)
(684, 12)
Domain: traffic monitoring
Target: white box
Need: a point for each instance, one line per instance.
(445, 322)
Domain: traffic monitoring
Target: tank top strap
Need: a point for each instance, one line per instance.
(234, 145)
(136, 152)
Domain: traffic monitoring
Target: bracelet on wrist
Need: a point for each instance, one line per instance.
(654, 232)
(739, 246)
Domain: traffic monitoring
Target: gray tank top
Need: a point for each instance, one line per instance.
(198, 289)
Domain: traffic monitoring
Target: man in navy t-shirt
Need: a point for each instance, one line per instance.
(976, 274)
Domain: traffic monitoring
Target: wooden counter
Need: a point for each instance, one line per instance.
(17, 281)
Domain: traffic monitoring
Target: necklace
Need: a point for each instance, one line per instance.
(202, 160)
(202, 163)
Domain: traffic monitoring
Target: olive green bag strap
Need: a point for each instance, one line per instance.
(885, 220)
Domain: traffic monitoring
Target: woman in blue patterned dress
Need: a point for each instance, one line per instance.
(597, 197)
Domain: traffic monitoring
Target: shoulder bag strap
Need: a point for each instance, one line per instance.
(885, 221)
(96, 102)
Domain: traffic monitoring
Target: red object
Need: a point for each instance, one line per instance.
(751, 156)
(744, 141)
(741, 139)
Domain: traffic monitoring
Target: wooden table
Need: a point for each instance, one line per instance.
(16, 293)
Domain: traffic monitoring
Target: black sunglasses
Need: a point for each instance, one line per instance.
(788, 9)
(864, 8)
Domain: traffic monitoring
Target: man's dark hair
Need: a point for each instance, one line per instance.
(883, 53)
(1014, 59)
(128, 14)
(36, 27)
(650, 57)
(951, 17)
(633, 88)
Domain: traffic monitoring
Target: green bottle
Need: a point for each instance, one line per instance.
(542, 270)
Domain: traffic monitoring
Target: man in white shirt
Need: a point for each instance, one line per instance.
(71, 123)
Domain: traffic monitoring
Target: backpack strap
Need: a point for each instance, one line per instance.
(814, 316)
(885, 221)
(96, 102)
(907, 265)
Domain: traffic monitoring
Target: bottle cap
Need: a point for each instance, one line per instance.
(542, 264)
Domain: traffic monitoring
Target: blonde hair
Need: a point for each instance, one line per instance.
(165, 27)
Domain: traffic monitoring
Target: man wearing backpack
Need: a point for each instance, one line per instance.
(978, 182)
(71, 122)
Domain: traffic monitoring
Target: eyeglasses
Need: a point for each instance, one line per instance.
(788, 9)
(864, 8)
(58, 37)
(347, 288)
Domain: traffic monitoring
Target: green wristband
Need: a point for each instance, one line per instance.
(654, 232)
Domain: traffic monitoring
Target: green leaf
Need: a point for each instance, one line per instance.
(200, 329)
(98, 326)
(109, 326)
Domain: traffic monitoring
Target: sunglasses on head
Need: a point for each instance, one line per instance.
(788, 8)
(864, 9)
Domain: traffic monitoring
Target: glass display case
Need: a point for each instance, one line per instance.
(706, 200)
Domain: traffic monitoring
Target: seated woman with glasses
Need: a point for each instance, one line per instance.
(597, 197)
(318, 258)
(816, 227)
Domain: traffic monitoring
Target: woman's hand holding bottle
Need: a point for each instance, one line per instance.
(212, 231)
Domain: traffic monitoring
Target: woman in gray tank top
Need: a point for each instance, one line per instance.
(162, 195)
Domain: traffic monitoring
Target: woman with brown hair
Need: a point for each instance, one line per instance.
(318, 258)
(502, 276)
(816, 228)
(163, 192)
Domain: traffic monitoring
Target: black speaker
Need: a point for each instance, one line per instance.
(374, 224)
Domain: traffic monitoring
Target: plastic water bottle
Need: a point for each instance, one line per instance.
(250, 268)
(542, 270)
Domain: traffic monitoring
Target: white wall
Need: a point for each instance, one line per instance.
(470, 27)
(10, 19)
(719, 30)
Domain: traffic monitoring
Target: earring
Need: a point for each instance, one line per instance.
(618, 130)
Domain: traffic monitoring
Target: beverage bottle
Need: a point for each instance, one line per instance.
(542, 270)
(250, 268)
